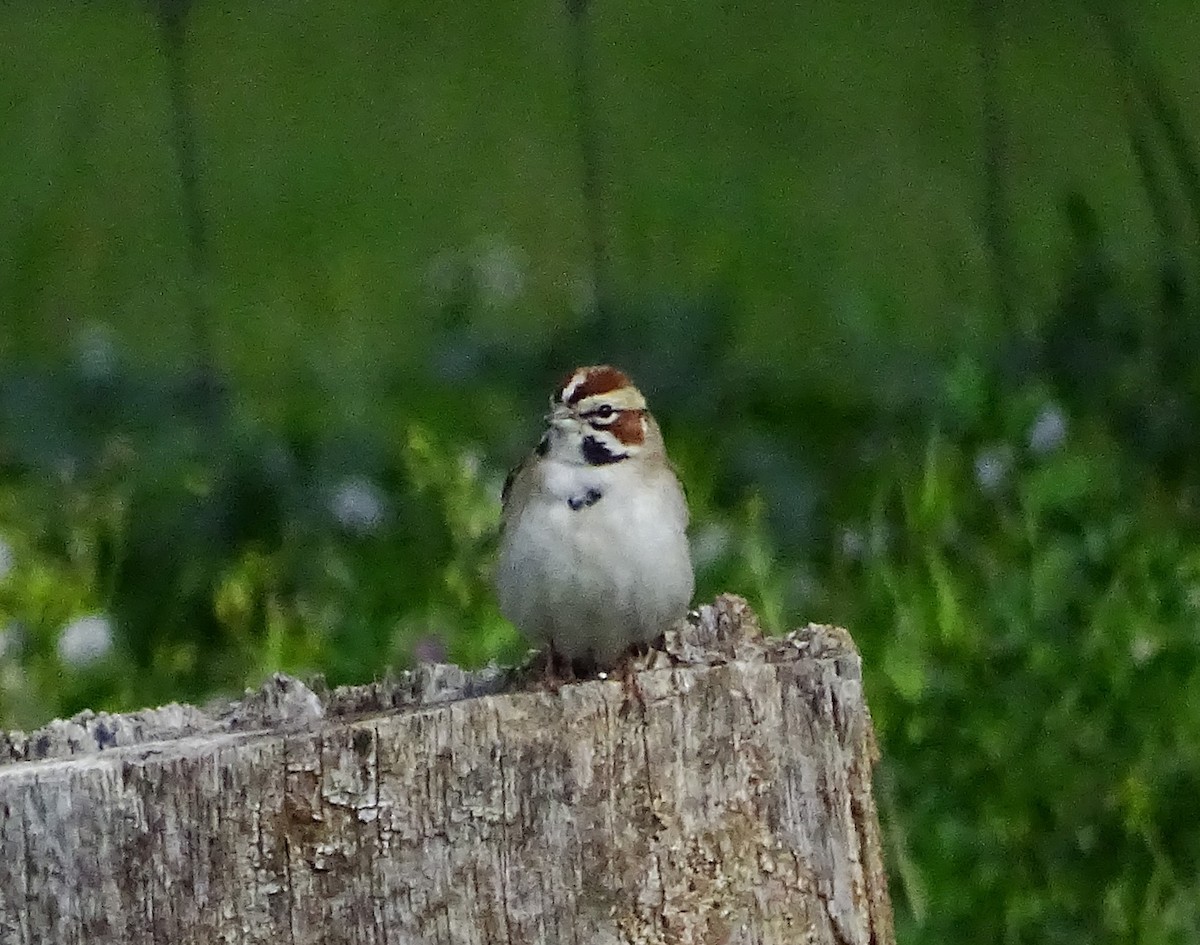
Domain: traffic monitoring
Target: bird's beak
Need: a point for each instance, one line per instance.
(560, 416)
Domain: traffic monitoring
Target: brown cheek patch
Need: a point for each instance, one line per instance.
(596, 380)
(629, 427)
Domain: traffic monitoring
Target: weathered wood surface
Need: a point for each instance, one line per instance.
(724, 798)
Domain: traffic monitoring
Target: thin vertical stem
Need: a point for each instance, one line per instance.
(995, 157)
(1157, 193)
(1162, 108)
(583, 90)
(1162, 207)
(172, 16)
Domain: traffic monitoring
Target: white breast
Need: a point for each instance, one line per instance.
(597, 579)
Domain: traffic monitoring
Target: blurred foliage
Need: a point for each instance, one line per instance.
(1006, 518)
(1022, 575)
(1032, 688)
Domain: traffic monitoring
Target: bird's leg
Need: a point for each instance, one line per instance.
(626, 671)
(638, 649)
(567, 665)
(583, 667)
(660, 643)
(557, 669)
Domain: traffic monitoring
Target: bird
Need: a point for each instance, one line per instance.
(594, 559)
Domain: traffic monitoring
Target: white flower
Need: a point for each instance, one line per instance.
(860, 542)
(358, 505)
(1049, 430)
(8, 560)
(710, 544)
(992, 467)
(67, 468)
(852, 543)
(96, 353)
(471, 463)
(1192, 597)
(1142, 649)
(499, 272)
(85, 640)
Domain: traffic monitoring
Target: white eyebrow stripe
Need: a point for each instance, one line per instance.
(623, 398)
(575, 381)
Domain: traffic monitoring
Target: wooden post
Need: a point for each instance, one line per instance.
(722, 795)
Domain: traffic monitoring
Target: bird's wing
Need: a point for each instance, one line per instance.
(517, 487)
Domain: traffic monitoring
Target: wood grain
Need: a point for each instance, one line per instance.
(721, 795)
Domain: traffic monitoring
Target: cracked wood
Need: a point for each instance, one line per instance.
(727, 800)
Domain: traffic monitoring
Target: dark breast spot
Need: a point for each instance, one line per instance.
(589, 498)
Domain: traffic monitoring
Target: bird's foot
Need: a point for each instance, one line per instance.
(626, 671)
(556, 670)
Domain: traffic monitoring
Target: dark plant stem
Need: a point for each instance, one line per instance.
(995, 157)
(1162, 207)
(1162, 108)
(583, 91)
(172, 16)
(1157, 192)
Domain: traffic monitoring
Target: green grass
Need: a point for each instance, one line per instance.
(821, 164)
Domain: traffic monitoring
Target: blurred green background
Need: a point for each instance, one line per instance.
(914, 289)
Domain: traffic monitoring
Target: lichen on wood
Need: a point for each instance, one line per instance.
(720, 794)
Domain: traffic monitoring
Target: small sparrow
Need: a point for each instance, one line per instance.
(594, 555)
